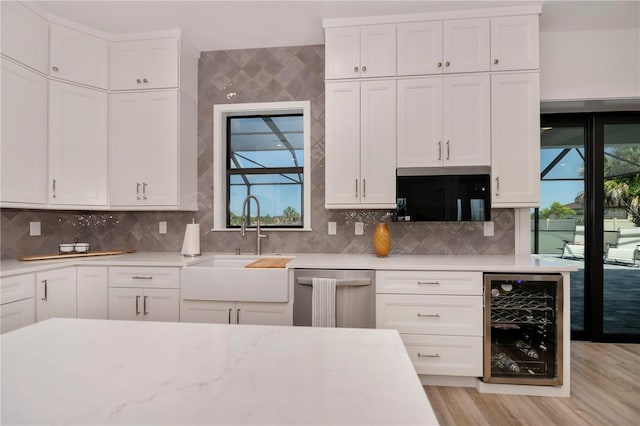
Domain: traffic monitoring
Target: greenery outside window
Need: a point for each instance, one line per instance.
(262, 150)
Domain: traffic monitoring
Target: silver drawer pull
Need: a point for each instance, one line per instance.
(428, 355)
(428, 315)
(139, 277)
(428, 282)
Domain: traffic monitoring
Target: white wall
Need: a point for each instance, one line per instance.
(597, 64)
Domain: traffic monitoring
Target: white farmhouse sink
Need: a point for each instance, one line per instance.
(225, 278)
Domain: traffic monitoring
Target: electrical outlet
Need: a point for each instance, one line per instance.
(359, 228)
(331, 228)
(488, 229)
(162, 227)
(35, 229)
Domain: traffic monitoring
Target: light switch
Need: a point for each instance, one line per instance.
(488, 229)
(162, 227)
(35, 229)
(359, 228)
(331, 228)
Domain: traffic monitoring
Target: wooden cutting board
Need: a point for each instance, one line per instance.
(270, 262)
(68, 255)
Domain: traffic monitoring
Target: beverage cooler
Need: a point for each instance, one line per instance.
(523, 329)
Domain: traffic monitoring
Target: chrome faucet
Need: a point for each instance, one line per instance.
(243, 225)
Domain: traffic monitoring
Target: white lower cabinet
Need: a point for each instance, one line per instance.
(144, 293)
(56, 294)
(261, 313)
(17, 307)
(439, 315)
(92, 292)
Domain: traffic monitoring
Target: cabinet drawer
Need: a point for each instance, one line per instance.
(423, 314)
(17, 287)
(154, 277)
(445, 355)
(429, 282)
(17, 314)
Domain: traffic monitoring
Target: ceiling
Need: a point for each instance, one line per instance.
(240, 24)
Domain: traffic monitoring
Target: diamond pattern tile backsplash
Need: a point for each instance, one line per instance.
(239, 76)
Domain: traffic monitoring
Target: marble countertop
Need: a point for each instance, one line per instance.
(71, 371)
(487, 263)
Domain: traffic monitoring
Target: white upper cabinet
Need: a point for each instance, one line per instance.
(77, 145)
(514, 43)
(515, 128)
(24, 135)
(420, 48)
(25, 36)
(444, 121)
(360, 52)
(360, 144)
(466, 46)
(144, 64)
(78, 57)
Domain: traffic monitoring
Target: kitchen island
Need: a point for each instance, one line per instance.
(72, 371)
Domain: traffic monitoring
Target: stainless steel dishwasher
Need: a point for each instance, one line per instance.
(355, 296)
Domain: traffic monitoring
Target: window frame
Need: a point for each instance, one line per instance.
(220, 190)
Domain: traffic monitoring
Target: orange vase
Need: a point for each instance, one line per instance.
(382, 240)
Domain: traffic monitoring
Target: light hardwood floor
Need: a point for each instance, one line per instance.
(605, 390)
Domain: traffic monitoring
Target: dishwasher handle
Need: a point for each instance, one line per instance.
(341, 282)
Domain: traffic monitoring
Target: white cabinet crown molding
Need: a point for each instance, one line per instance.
(415, 17)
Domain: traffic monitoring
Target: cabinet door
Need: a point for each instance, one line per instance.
(420, 122)
(467, 118)
(160, 63)
(24, 134)
(56, 294)
(25, 36)
(126, 64)
(77, 145)
(17, 314)
(342, 52)
(515, 129)
(125, 304)
(342, 143)
(264, 313)
(126, 147)
(378, 50)
(92, 292)
(69, 55)
(378, 143)
(161, 304)
(420, 48)
(466, 45)
(514, 43)
(160, 157)
(207, 311)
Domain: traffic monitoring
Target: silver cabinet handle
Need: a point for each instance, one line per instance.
(428, 355)
(54, 189)
(145, 80)
(428, 315)
(137, 305)
(355, 69)
(142, 277)
(364, 69)
(138, 81)
(144, 190)
(229, 320)
(137, 190)
(54, 68)
(356, 188)
(448, 150)
(439, 64)
(446, 64)
(428, 283)
(144, 305)
(45, 290)
(495, 61)
(364, 188)
(439, 150)
(497, 186)
(238, 316)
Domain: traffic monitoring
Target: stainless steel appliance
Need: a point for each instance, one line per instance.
(523, 329)
(355, 297)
